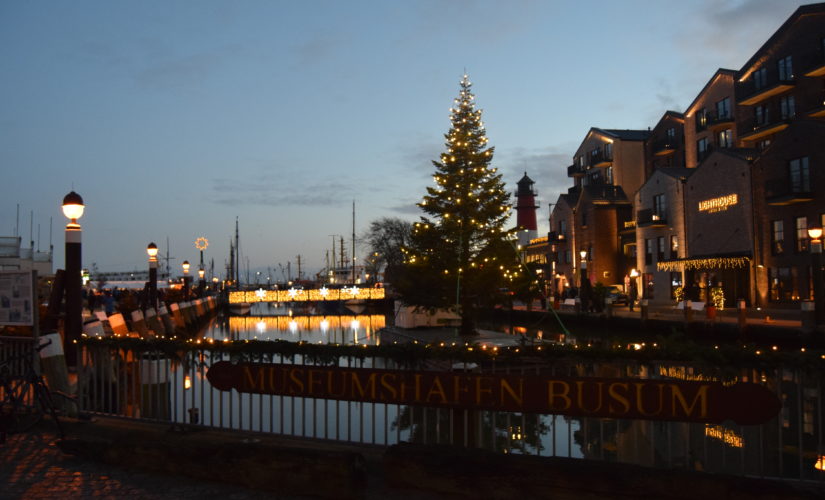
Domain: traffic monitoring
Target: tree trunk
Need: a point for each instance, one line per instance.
(468, 317)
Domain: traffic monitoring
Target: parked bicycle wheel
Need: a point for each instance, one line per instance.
(21, 407)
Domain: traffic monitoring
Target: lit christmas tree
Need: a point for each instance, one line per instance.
(460, 252)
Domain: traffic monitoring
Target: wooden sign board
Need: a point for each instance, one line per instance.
(651, 399)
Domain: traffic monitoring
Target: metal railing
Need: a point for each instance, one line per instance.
(157, 387)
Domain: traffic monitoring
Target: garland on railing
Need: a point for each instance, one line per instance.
(415, 353)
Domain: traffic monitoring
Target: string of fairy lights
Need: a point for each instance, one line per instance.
(468, 203)
(722, 357)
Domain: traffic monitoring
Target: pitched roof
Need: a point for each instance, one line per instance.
(719, 72)
(625, 135)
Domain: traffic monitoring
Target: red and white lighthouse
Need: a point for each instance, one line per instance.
(526, 211)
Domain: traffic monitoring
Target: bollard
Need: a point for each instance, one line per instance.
(643, 307)
(53, 362)
(138, 324)
(177, 317)
(94, 328)
(153, 323)
(118, 324)
(608, 306)
(808, 316)
(743, 315)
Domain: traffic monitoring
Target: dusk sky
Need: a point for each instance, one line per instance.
(172, 118)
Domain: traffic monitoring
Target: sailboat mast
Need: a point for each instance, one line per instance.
(353, 242)
(237, 255)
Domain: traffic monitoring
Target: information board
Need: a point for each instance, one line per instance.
(17, 298)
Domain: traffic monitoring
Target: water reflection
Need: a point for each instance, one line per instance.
(354, 329)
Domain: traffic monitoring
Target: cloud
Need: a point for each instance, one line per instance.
(283, 191)
(186, 70)
(316, 50)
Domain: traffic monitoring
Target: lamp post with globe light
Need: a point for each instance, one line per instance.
(152, 250)
(815, 233)
(185, 266)
(73, 209)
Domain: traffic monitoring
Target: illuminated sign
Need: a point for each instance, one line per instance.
(296, 295)
(684, 401)
(719, 204)
(727, 436)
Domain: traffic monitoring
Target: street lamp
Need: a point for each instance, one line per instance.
(73, 209)
(815, 233)
(185, 266)
(152, 250)
(583, 261)
(201, 282)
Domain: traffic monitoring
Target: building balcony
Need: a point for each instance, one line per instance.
(719, 122)
(665, 147)
(760, 129)
(575, 171)
(817, 68)
(648, 218)
(759, 95)
(780, 192)
(601, 160)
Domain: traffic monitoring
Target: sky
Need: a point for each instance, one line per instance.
(173, 118)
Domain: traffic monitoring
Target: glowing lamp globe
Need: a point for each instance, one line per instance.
(152, 250)
(815, 232)
(186, 267)
(634, 273)
(73, 206)
(583, 254)
(201, 272)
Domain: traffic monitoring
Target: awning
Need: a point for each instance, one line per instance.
(722, 261)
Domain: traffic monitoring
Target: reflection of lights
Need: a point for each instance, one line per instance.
(187, 382)
(820, 463)
(305, 322)
(292, 293)
(355, 324)
(293, 326)
(515, 433)
(260, 327)
(324, 325)
(727, 436)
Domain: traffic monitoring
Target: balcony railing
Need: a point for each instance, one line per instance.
(665, 146)
(575, 171)
(781, 191)
(751, 95)
(601, 159)
(649, 218)
(754, 129)
(716, 122)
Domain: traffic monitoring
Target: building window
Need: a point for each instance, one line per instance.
(801, 234)
(761, 115)
(777, 237)
(648, 251)
(563, 229)
(724, 138)
(675, 282)
(649, 285)
(760, 78)
(701, 119)
(659, 208)
(702, 148)
(785, 68)
(608, 151)
(787, 107)
(764, 143)
(799, 176)
(674, 247)
(782, 284)
(660, 254)
(584, 219)
(723, 109)
(608, 173)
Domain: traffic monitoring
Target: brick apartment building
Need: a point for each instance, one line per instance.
(720, 196)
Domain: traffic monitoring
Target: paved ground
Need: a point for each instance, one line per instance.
(32, 467)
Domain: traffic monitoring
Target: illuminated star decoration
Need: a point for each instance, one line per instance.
(201, 243)
(292, 293)
(324, 292)
(261, 293)
(353, 291)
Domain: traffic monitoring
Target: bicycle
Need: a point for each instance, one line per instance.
(26, 397)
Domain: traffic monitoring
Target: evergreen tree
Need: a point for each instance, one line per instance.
(460, 252)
